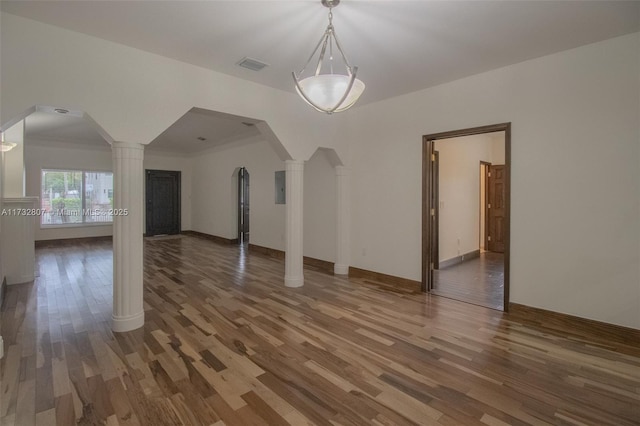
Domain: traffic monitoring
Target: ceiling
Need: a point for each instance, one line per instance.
(215, 128)
(419, 43)
(69, 128)
(184, 136)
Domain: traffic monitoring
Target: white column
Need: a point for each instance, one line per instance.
(343, 221)
(18, 241)
(293, 276)
(128, 310)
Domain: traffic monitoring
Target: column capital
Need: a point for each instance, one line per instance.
(294, 165)
(127, 145)
(343, 170)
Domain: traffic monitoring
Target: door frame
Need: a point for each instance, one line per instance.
(429, 208)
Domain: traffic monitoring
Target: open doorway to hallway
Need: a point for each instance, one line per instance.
(466, 215)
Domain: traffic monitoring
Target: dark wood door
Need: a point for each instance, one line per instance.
(436, 209)
(163, 202)
(496, 208)
(243, 205)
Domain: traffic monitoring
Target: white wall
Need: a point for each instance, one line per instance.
(460, 191)
(575, 176)
(52, 155)
(319, 208)
(572, 113)
(214, 193)
(55, 155)
(497, 148)
(2, 233)
(135, 95)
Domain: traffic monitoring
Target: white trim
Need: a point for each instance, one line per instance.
(293, 282)
(20, 279)
(21, 200)
(76, 225)
(340, 269)
(127, 323)
(66, 144)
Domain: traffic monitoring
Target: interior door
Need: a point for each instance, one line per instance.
(163, 202)
(496, 208)
(433, 208)
(435, 179)
(243, 205)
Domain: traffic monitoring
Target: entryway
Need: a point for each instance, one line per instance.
(243, 205)
(466, 186)
(162, 202)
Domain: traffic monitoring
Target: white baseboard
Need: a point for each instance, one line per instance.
(128, 323)
(20, 279)
(341, 269)
(293, 282)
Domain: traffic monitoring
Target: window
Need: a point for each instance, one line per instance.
(76, 197)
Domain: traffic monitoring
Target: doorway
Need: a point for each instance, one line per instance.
(466, 194)
(162, 202)
(243, 205)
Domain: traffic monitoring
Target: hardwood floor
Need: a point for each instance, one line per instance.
(479, 281)
(225, 342)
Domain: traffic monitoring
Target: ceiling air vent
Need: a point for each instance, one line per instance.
(252, 64)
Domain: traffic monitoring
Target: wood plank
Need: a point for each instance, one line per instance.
(228, 347)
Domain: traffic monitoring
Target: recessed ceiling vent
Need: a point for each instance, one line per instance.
(252, 64)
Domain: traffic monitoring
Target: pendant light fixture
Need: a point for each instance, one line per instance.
(329, 92)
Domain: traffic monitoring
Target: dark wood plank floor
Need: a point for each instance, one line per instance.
(225, 342)
(479, 281)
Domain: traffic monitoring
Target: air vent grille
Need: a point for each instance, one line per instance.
(252, 64)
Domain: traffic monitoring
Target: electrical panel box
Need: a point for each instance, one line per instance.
(281, 186)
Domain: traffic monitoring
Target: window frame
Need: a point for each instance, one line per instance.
(83, 201)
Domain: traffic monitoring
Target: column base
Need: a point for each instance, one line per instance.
(20, 279)
(128, 323)
(293, 282)
(340, 269)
